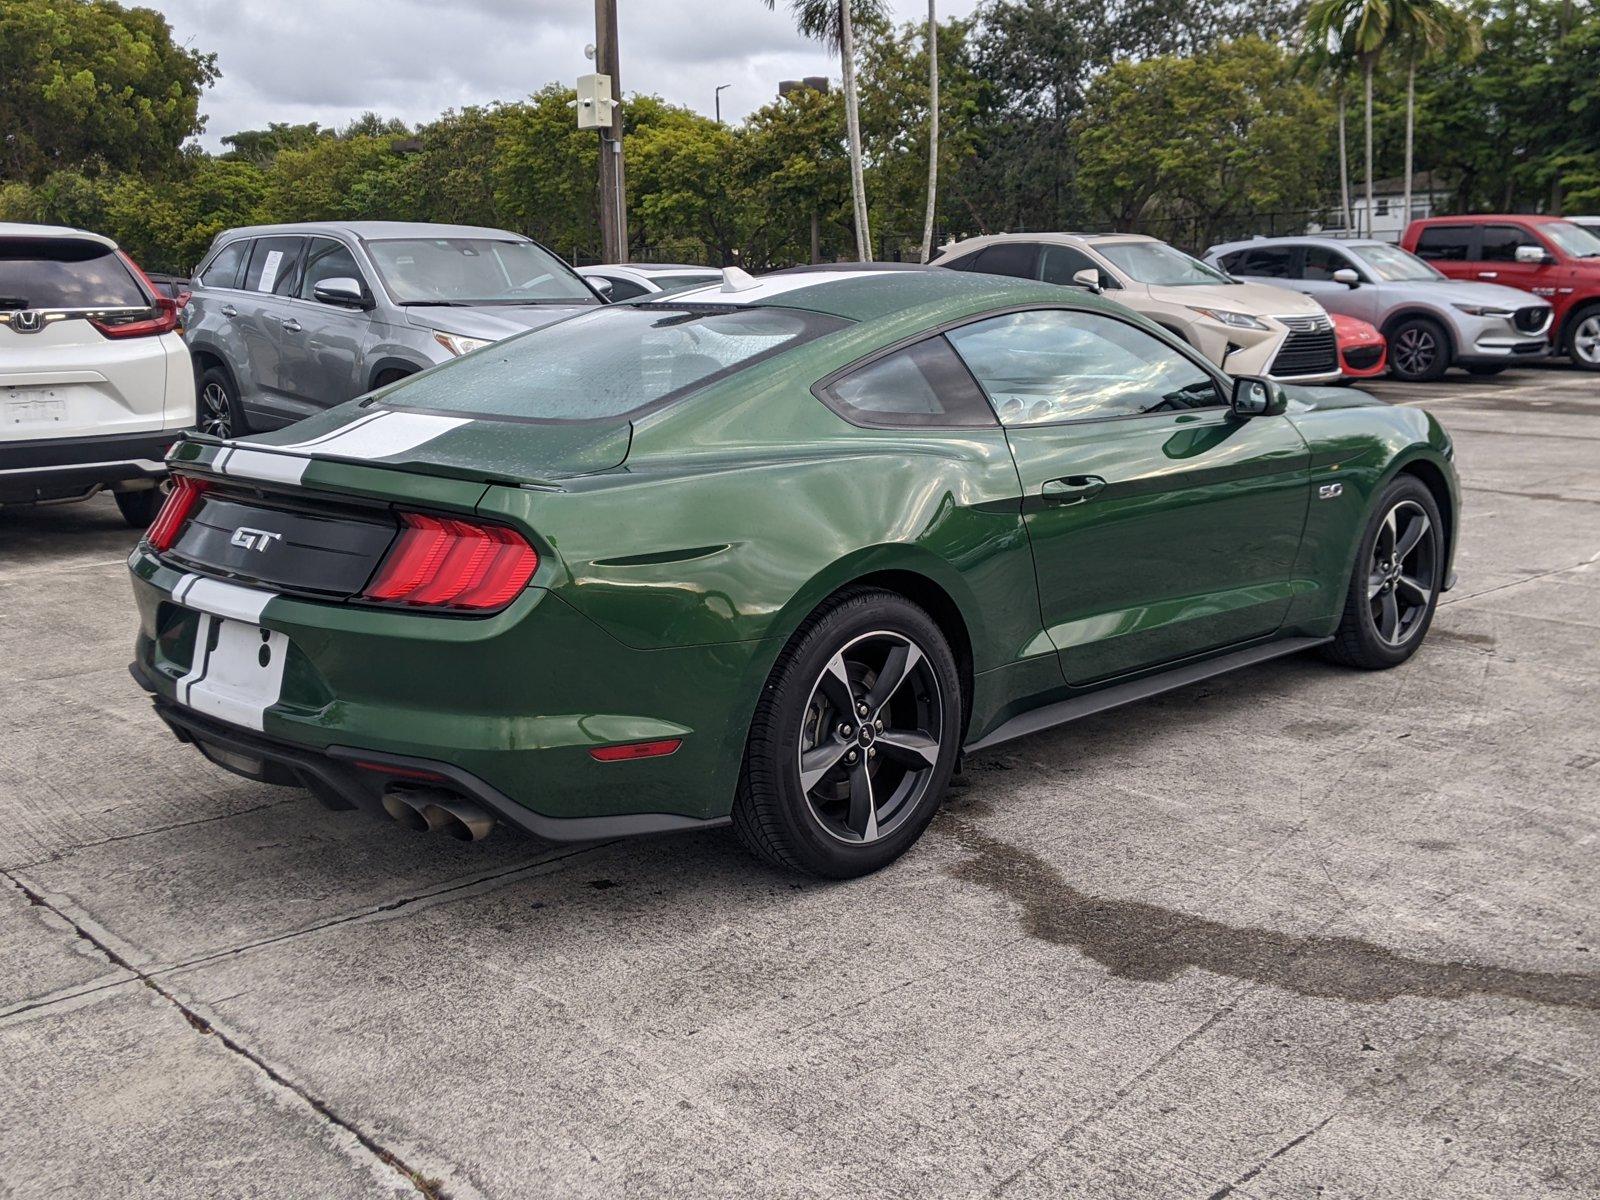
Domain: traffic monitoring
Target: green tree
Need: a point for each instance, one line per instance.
(793, 172)
(1423, 30)
(1195, 142)
(1360, 30)
(91, 85)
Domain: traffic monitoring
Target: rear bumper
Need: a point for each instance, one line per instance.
(361, 777)
(75, 468)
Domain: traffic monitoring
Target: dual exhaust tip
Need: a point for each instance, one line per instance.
(427, 810)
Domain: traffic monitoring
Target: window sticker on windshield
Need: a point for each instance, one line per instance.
(269, 270)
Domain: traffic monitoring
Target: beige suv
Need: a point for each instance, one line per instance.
(1245, 328)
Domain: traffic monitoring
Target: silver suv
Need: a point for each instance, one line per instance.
(286, 320)
(1431, 322)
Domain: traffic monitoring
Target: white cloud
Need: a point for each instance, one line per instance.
(330, 61)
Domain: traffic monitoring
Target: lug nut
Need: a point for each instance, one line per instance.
(880, 726)
(873, 752)
(862, 709)
(851, 757)
(845, 731)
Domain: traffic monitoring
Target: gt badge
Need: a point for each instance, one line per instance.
(1328, 491)
(254, 539)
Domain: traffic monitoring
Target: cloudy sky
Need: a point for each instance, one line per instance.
(295, 61)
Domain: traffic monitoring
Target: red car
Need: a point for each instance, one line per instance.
(1362, 351)
(1547, 256)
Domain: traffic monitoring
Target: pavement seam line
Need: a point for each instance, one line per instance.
(1228, 1189)
(428, 1188)
(63, 852)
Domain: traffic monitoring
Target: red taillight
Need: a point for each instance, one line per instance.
(635, 750)
(165, 308)
(179, 504)
(445, 562)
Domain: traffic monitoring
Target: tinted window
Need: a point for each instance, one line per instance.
(1447, 243)
(274, 265)
(610, 362)
(624, 289)
(964, 263)
(1008, 258)
(1500, 242)
(670, 283)
(1322, 261)
(924, 384)
(223, 270)
(1273, 262)
(65, 273)
(476, 271)
(1058, 264)
(1053, 365)
(327, 259)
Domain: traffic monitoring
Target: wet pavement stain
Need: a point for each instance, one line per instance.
(1470, 639)
(1134, 940)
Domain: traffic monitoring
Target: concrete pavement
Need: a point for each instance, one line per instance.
(1298, 932)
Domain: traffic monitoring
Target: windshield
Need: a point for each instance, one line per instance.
(1158, 264)
(1573, 239)
(610, 363)
(471, 271)
(1394, 265)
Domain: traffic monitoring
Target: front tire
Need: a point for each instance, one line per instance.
(1583, 339)
(1394, 588)
(1419, 350)
(854, 739)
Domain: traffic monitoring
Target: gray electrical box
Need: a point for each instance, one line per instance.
(595, 102)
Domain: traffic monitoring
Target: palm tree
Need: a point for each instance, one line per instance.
(1360, 29)
(1326, 63)
(1423, 30)
(831, 21)
(933, 129)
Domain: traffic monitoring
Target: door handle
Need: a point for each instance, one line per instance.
(229, 310)
(1488, 274)
(291, 325)
(1073, 489)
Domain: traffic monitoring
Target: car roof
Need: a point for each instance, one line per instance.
(647, 269)
(23, 229)
(876, 291)
(1471, 218)
(1305, 239)
(1060, 237)
(373, 231)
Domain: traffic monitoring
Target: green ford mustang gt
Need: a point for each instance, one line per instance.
(770, 552)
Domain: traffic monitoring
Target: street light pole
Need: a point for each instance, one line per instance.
(716, 99)
(613, 183)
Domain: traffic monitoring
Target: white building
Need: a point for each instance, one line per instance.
(1429, 194)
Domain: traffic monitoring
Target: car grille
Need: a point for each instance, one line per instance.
(1531, 319)
(1310, 348)
(1359, 358)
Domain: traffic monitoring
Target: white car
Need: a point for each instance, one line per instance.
(95, 381)
(1245, 328)
(629, 281)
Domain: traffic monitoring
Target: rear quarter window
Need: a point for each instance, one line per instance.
(223, 269)
(616, 361)
(65, 273)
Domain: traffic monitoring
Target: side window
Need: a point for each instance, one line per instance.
(1323, 261)
(925, 384)
(274, 265)
(1008, 258)
(1052, 365)
(1500, 242)
(1058, 264)
(964, 263)
(1448, 243)
(624, 289)
(1270, 262)
(223, 270)
(328, 259)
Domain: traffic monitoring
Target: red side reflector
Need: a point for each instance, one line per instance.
(635, 750)
(446, 562)
(175, 511)
(401, 772)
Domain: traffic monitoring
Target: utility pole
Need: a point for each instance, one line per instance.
(716, 99)
(613, 183)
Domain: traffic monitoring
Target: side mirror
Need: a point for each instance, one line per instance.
(1257, 396)
(1347, 276)
(342, 292)
(1089, 277)
(599, 286)
(1533, 254)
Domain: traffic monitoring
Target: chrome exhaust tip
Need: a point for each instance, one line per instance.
(430, 811)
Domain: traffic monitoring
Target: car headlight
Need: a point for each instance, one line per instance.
(459, 344)
(1235, 319)
(1482, 310)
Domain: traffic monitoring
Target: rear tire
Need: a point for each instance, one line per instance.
(218, 411)
(139, 508)
(1419, 350)
(1582, 343)
(1394, 587)
(872, 790)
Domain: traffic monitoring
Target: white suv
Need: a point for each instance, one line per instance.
(95, 381)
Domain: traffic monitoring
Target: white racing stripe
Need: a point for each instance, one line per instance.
(240, 677)
(220, 598)
(765, 289)
(374, 436)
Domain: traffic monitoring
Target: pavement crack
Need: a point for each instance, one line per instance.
(58, 855)
(1227, 1189)
(430, 1189)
